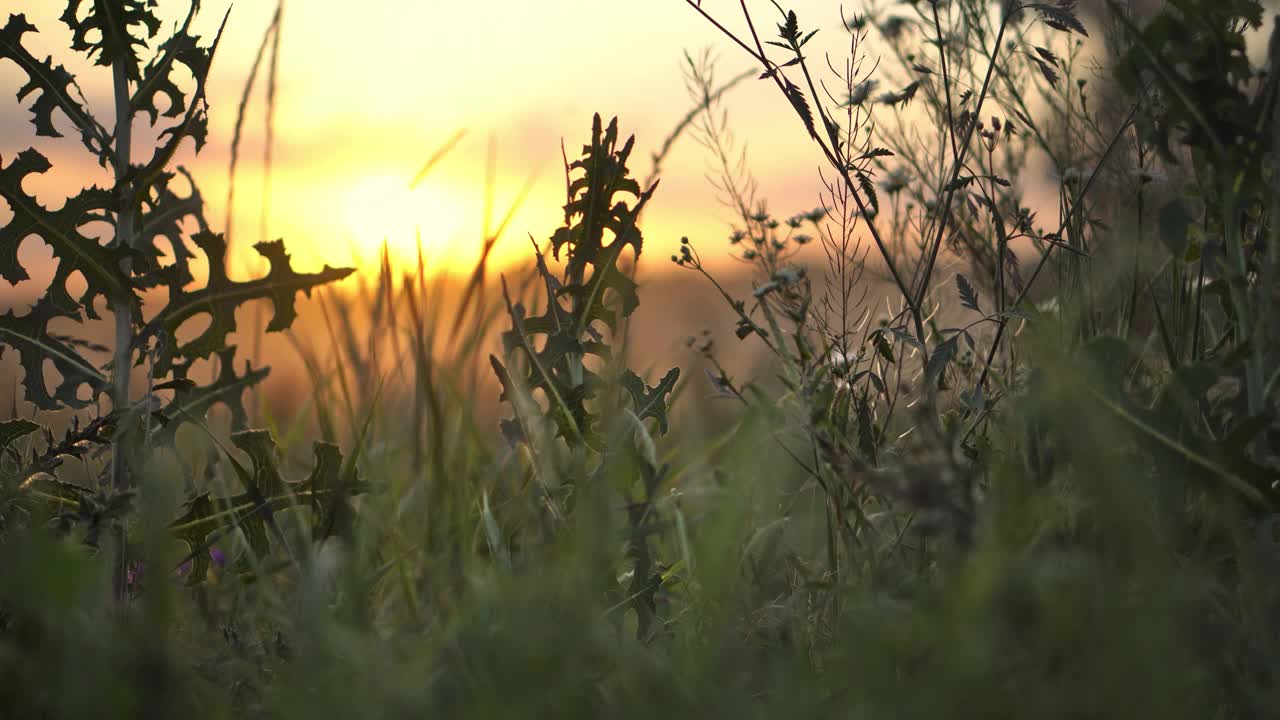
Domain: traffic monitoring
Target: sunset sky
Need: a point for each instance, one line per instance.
(369, 91)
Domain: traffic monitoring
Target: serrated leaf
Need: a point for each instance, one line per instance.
(221, 297)
(942, 356)
(544, 352)
(78, 442)
(801, 105)
(326, 491)
(1046, 54)
(868, 189)
(789, 29)
(13, 430)
(192, 401)
(1061, 16)
(60, 229)
(1049, 73)
(111, 30)
(157, 78)
(52, 85)
(968, 296)
(164, 213)
(650, 402)
(29, 336)
(876, 153)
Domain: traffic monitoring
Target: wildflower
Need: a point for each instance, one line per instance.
(860, 92)
(895, 181)
(893, 27)
(133, 577)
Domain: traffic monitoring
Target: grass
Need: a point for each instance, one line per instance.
(976, 460)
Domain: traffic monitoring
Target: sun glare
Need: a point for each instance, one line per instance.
(383, 208)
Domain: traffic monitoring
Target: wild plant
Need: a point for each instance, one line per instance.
(143, 270)
(963, 175)
(580, 414)
(954, 190)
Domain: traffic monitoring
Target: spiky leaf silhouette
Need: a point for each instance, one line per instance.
(157, 79)
(34, 469)
(221, 297)
(194, 400)
(651, 402)
(29, 336)
(968, 296)
(52, 85)
(164, 212)
(142, 211)
(592, 296)
(61, 230)
(552, 344)
(13, 430)
(594, 208)
(1060, 16)
(112, 30)
(327, 491)
(801, 105)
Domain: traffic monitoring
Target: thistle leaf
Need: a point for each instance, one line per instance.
(111, 31)
(650, 402)
(53, 87)
(13, 430)
(222, 296)
(157, 78)
(164, 213)
(61, 230)
(326, 491)
(545, 352)
(29, 336)
(192, 400)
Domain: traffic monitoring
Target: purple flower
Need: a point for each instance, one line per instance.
(135, 574)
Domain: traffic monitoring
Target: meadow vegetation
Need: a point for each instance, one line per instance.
(958, 451)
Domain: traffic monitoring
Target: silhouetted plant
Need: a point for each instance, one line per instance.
(147, 253)
(559, 371)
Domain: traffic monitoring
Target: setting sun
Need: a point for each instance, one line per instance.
(382, 208)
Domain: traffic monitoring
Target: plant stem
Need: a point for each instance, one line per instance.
(122, 309)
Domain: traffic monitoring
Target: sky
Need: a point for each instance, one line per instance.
(368, 91)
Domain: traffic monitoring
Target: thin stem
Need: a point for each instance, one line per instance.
(833, 157)
(958, 166)
(122, 308)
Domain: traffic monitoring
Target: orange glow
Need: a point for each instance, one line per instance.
(384, 207)
(368, 91)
